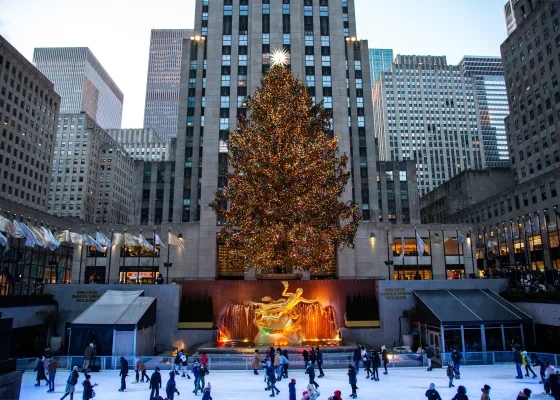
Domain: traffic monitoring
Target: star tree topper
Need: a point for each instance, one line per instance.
(279, 57)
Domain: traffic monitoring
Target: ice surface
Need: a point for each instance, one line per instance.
(400, 384)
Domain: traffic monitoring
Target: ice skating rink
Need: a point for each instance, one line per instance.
(400, 384)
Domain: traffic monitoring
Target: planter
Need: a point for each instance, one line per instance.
(196, 325)
(362, 324)
(56, 343)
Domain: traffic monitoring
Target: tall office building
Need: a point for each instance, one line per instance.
(424, 110)
(82, 83)
(28, 113)
(144, 144)
(511, 22)
(491, 104)
(380, 60)
(164, 74)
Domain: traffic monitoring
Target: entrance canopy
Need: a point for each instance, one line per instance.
(467, 307)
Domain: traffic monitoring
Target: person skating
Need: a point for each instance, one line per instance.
(352, 380)
(155, 383)
(171, 387)
(527, 364)
(549, 371)
(195, 371)
(123, 374)
(272, 383)
(518, 362)
(311, 393)
(87, 358)
(337, 395)
(356, 358)
(202, 372)
(375, 364)
(177, 362)
(432, 393)
(52, 365)
(292, 389)
(256, 362)
(311, 372)
(461, 394)
(385, 359)
(206, 394)
(485, 393)
(40, 369)
(312, 356)
(184, 365)
(278, 367)
(457, 357)
(366, 359)
(525, 394)
(305, 355)
(141, 371)
(319, 355)
(451, 373)
(429, 355)
(88, 388)
(539, 362)
(285, 364)
(204, 360)
(71, 383)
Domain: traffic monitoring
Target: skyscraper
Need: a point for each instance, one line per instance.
(164, 74)
(380, 60)
(491, 104)
(28, 114)
(82, 83)
(511, 22)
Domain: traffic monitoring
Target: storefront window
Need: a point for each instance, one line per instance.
(410, 247)
(512, 336)
(452, 248)
(410, 272)
(452, 337)
(494, 340)
(473, 339)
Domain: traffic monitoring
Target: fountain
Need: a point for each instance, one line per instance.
(290, 320)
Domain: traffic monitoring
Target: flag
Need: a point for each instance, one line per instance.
(102, 239)
(435, 238)
(402, 247)
(489, 245)
(118, 239)
(30, 238)
(461, 239)
(3, 239)
(53, 244)
(12, 229)
(144, 243)
(421, 245)
(76, 238)
(91, 242)
(130, 240)
(536, 225)
(40, 236)
(176, 241)
(158, 242)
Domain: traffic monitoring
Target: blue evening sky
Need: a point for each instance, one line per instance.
(118, 31)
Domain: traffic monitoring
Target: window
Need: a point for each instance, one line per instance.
(553, 189)
(525, 199)
(543, 193)
(534, 196)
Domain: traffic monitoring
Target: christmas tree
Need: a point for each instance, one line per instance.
(286, 182)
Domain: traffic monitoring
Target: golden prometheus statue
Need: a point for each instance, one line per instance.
(279, 320)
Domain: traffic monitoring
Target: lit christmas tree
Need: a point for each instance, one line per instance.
(284, 192)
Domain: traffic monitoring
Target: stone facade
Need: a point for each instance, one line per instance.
(29, 108)
(144, 144)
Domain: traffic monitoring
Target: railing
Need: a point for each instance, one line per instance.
(215, 362)
(495, 357)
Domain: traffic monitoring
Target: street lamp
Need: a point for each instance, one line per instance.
(167, 265)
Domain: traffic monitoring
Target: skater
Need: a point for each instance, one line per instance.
(123, 374)
(155, 383)
(177, 362)
(461, 394)
(87, 358)
(432, 393)
(206, 395)
(40, 369)
(88, 388)
(527, 364)
(367, 365)
(518, 361)
(352, 380)
(184, 365)
(71, 383)
(195, 370)
(337, 395)
(285, 364)
(271, 353)
(538, 361)
(171, 387)
(550, 370)
(159, 280)
(141, 369)
(52, 365)
(311, 372)
(357, 357)
(385, 359)
(375, 364)
(451, 373)
(456, 357)
(485, 393)
(204, 360)
(305, 358)
(429, 355)
(524, 395)
(269, 373)
(256, 362)
(319, 355)
(292, 389)
(202, 372)
(278, 367)
(312, 356)
(272, 383)
(311, 393)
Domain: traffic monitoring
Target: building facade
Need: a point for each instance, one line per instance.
(491, 104)
(144, 144)
(29, 108)
(164, 74)
(424, 110)
(511, 21)
(92, 174)
(380, 60)
(82, 83)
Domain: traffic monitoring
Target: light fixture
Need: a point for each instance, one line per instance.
(180, 236)
(372, 235)
(279, 57)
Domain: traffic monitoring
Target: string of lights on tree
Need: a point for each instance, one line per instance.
(287, 179)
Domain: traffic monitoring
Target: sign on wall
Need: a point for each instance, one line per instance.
(396, 293)
(86, 296)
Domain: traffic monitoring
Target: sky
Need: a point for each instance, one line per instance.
(118, 31)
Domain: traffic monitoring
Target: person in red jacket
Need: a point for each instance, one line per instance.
(204, 360)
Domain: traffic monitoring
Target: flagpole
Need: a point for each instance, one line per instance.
(402, 251)
(167, 265)
(154, 254)
(525, 248)
(534, 256)
(499, 259)
(138, 269)
(110, 250)
(444, 255)
(124, 261)
(472, 252)
(557, 236)
(431, 254)
(94, 261)
(542, 242)
(485, 259)
(549, 247)
(81, 256)
(388, 259)
(417, 265)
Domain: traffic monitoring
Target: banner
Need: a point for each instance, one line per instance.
(421, 245)
(158, 242)
(176, 241)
